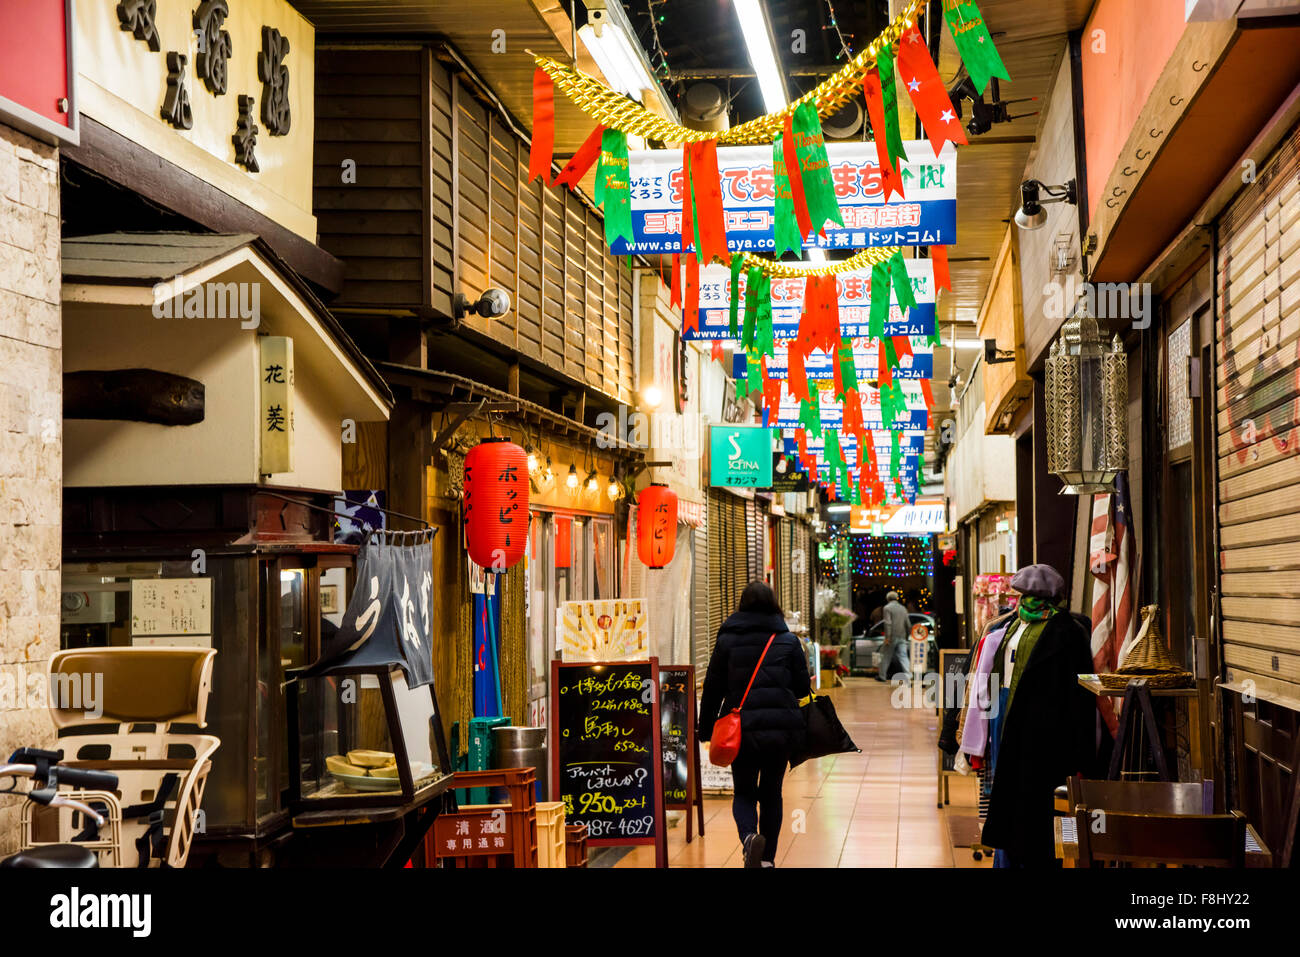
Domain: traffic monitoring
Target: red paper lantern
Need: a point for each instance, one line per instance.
(496, 504)
(656, 526)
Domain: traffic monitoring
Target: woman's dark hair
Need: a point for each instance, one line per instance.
(758, 597)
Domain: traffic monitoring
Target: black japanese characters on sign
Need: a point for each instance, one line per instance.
(245, 138)
(214, 46)
(176, 104)
(140, 17)
(275, 81)
(506, 513)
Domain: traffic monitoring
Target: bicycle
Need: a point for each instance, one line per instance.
(94, 794)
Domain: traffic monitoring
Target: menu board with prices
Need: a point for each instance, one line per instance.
(681, 752)
(606, 752)
(171, 606)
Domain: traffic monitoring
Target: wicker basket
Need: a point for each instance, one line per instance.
(1149, 659)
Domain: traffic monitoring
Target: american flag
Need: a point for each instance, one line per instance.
(1111, 560)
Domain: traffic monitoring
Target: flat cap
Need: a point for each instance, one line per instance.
(1041, 581)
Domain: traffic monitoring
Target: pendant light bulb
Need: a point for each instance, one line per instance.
(613, 490)
(572, 479)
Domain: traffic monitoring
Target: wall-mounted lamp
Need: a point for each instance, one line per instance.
(1035, 195)
(651, 396)
(493, 304)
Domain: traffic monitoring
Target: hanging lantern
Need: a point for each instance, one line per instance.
(1087, 407)
(656, 526)
(496, 504)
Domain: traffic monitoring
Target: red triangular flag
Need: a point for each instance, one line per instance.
(902, 346)
(792, 173)
(587, 154)
(890, 178)
(796, 375)
(830, 315)
(541, 151)
(691, 300)
(809, 334)
(708, 201)
(717, 350)
(928, 393)
(942, 280)
(675, 288)
(688, 219)
(929, 95)
(771, 392)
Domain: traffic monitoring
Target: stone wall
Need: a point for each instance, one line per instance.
(31, 461)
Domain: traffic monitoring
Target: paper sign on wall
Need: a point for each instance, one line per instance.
(171, 606)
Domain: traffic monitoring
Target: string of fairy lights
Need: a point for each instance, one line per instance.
(872, 556)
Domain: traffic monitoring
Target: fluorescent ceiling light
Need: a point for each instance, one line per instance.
(839, 508)
(616, 58)
(968, 344)
(753, 24)
(815, 255)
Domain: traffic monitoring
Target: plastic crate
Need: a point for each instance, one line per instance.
(516, 821)
(575, 845)
(550, 834)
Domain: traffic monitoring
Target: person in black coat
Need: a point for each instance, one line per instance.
(772, 726)
(1049, 732)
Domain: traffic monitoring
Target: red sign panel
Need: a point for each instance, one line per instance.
(37, 69)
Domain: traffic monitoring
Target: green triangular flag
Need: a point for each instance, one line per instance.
(933, 338)
(891, 354)
(889, 93)
(848, 368)
(763, 337)
(742, 376)
(613, 186)
(845, 489)
(879, 300)
(974, 43)
(787, 225)
(895, 455)
(902, 282)
(754, 371)
(752, 281)
(810, 417)
(814, 167)
(735, 294)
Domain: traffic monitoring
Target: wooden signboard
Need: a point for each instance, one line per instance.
(682, 788)
(953, 663)
(606, 751)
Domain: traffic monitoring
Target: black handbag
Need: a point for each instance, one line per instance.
(823, 732)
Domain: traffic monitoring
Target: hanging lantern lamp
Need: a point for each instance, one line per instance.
(656, 526)
(1087, 407)
(496, 504)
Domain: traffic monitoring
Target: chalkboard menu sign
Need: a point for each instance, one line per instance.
(607, 758)
(952, 693)
(677, 727)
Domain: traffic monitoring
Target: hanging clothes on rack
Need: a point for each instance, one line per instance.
(1048, 723)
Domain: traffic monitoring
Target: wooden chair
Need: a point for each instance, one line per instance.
(1157, 797)
(1189, 840)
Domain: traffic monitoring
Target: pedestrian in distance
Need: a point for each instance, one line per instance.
(755, 646)
(894, 650)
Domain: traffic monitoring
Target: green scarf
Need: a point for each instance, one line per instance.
(1032, 608)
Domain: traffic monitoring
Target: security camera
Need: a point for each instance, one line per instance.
(493, 304)
(1035, 195)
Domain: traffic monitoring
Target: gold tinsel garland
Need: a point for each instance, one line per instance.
(616, 111)
(795, 270)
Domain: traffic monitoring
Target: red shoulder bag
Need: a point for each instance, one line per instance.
(725, 743)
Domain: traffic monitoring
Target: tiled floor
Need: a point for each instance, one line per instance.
(874, 809)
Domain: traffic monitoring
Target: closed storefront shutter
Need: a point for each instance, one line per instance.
(702, 635)
(1258, 429)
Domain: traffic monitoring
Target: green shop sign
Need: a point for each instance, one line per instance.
(740, 456)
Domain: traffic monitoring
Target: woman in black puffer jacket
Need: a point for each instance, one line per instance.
(772, 726)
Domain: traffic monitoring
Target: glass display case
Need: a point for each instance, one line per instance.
(360, 736)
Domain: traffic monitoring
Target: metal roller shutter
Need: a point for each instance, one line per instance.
(1258, 427)
(702, 634)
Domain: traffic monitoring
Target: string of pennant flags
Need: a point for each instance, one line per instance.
(833, 351)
